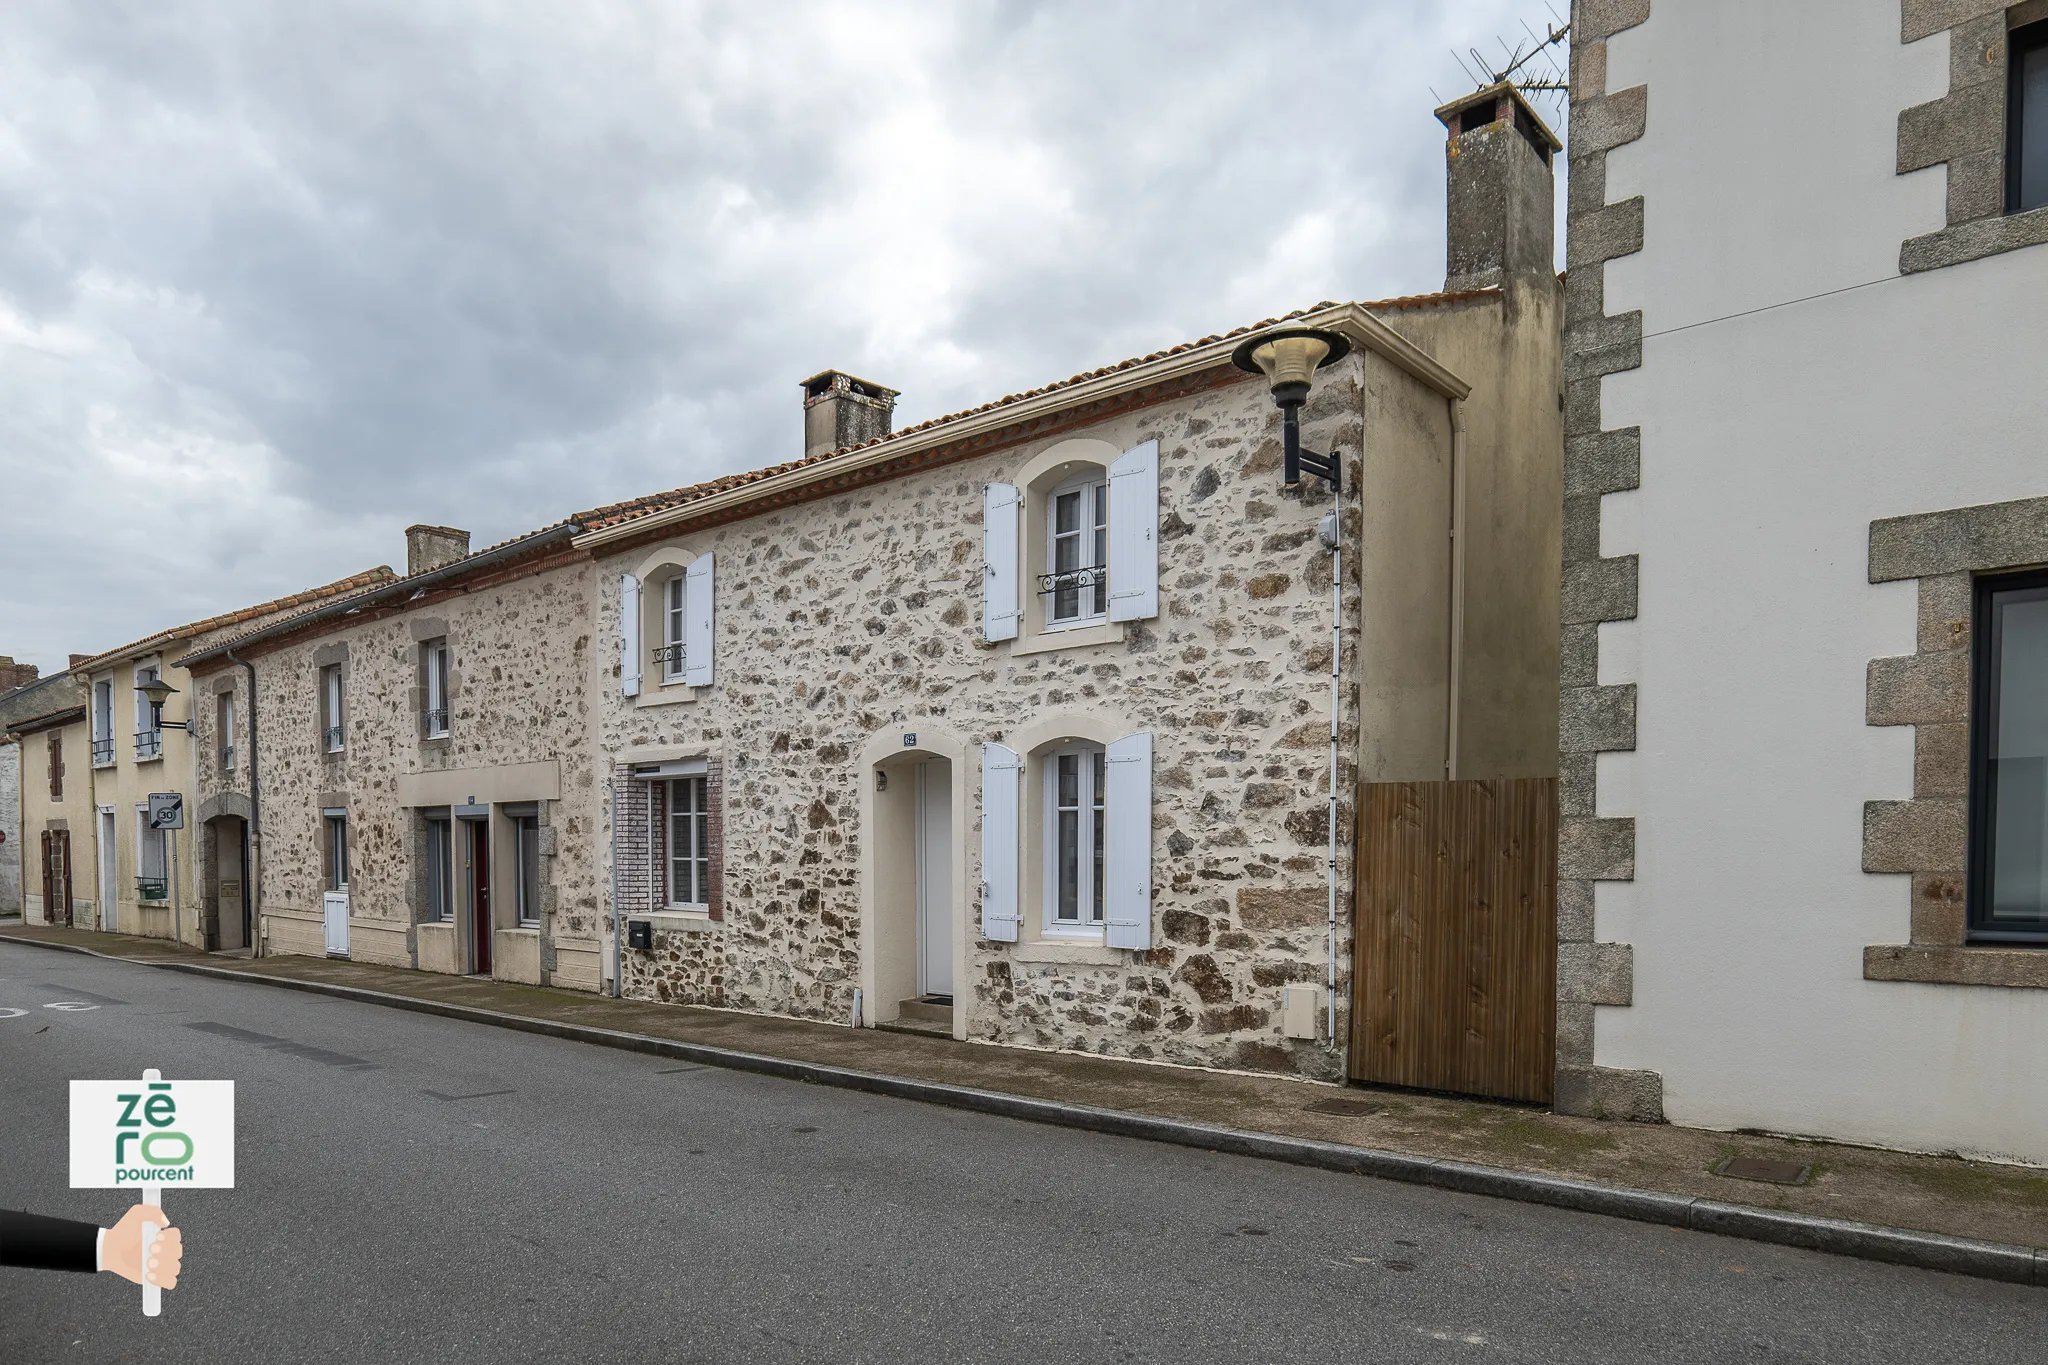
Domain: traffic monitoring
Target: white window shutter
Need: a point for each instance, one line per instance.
(1127, 842)
(629, 637)
(1134, 534)
(1002, 774)
(1000, 603)
(697, 634)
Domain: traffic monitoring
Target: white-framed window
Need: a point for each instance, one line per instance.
(336, 823)
(434, 657)
(152, 879)
(331, 714)
(102, 722)
(686, 844)
(1076, 783)
(224, 725)
(149, 735)
(674, 596)
(440, 866)
(1076, 583)
(525, 821)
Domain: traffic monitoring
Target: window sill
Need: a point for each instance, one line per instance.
(1974, 240)
(665, 694)
(1076, 952)
(1076, 637)
(1979, 966)
(141, 759)
(684, 921)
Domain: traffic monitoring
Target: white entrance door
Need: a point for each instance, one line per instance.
(934, 878)
(337, 923)
(110, 886)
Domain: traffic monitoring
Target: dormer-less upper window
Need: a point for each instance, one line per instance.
(2026, 141)
(1077, 553)
(672, 648)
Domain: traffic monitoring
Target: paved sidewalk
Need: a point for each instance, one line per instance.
(1943, 1195)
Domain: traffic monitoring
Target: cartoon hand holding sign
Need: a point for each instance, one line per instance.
(151, 1133)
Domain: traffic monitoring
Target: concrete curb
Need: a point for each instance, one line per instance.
(1898, 1246)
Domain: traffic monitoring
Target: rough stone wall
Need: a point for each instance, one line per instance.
(838, 618)
(521, 655)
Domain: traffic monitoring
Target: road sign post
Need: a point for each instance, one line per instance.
(149, 1134)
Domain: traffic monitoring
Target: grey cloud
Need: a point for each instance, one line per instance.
(277, 280)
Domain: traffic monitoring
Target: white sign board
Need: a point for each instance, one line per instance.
(152, 1132)
(166, 810)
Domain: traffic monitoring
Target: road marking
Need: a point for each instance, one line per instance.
(82, 993)
(69, 1005)
(9, 1012)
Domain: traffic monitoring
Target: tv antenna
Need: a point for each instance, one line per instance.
(1536, 65)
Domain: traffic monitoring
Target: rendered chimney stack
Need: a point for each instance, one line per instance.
(1499, 190)
(429, 547)
(841, 411)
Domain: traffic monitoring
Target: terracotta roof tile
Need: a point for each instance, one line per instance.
(633, 509)
(366, 579)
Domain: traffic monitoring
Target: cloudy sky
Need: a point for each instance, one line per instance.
(278, 280)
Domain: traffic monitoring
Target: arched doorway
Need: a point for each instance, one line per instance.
(913, 903)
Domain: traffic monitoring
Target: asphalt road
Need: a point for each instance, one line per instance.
(412, 1189)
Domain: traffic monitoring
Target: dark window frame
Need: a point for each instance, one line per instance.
(2019, 43)
(1984, 662)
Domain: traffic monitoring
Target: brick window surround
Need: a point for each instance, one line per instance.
(1928, 836)
(1965, 130)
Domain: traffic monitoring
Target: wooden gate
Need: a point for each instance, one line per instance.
(1455, 951)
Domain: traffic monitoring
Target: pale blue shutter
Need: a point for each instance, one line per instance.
(1002, 771)
(1134, 534)
(999, 596)
(697, 633)
(1127, 842)
(629, 638)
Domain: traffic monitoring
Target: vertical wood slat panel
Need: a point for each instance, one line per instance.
(1455, 936)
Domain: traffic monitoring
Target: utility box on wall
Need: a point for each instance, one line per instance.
(1299, 1011)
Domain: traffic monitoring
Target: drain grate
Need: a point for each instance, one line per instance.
(1769, 1172)
(1345, 1109)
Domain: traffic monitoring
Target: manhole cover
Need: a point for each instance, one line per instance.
(1769, 1172)
(1348, 1109)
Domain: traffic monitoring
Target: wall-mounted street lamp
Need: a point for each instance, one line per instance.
(158, 691)
(1289, 359)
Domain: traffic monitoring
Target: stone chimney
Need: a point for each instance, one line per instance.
(1499, 189)
(13, 675)
(77, 659)
(841, 411)
(429, 547)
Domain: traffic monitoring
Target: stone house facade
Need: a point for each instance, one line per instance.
(1805, 654)
(146, 880)
(419, 779)
(43, 727)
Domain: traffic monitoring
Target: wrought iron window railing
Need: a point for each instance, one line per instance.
(331, 737)
(1093, 576)
(670, 659)
(437, 722)
(103, 752)
(152, 889)
(227, 756)
(149, 744)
